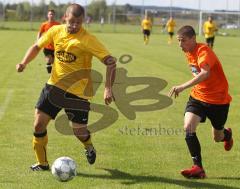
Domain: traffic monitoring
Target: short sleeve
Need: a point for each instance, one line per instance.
(46, 38)
(41, 29)
(205, 57)
(95, 47)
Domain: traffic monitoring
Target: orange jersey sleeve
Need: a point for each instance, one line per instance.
(213, 90)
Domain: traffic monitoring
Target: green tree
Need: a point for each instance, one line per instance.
(96, 9)
(20, 12)
(52, 5)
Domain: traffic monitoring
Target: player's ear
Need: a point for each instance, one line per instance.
(64, 17)
(194, 38)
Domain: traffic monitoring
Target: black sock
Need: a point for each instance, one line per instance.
(44, 133)
(227, 135)
(194, 148)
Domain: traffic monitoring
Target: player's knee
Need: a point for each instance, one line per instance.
(50, 60)
(81, 131)
(188, 128)
(39, 127)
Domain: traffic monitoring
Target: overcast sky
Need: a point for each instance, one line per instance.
(204, 4)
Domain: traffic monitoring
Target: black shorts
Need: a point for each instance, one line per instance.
(171, 33)
(210, 40)
(53, 99)
(217, 114)
(48, 52)
(146, 32)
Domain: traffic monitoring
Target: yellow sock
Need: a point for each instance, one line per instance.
(40, 148)
(147, 40)
(88, 143)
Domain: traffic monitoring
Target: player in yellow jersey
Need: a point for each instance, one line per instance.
(209, 29)
(146, 29)
(170, 28)
(69, 81)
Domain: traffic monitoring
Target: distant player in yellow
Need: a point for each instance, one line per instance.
(146, 29)
(209, 29)
(170, 28)
(69, 81)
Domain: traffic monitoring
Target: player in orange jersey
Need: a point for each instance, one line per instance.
(209, 98)
(48, 49)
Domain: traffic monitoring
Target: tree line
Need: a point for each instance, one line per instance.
(24, 11)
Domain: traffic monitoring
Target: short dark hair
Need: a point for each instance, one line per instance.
(51, 10)
(76, 10)
(187, 31)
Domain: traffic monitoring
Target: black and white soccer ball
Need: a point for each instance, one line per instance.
(64, 169)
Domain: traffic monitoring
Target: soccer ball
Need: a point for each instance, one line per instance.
(64, 169)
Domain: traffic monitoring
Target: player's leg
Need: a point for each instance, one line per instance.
(49, 61)
(49, 58)
(83, 134)
(218, 116)
(45, 111)
(212, 42)
(79, 119)
(40, 140)
(208, 41)
(143, 32)
(194, 114)
(223, 135)
(191, 121)
(170, 37)
(148, 36)
(145, 36)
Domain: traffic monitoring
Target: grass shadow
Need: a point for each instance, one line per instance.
(129, 179)
(226, 178)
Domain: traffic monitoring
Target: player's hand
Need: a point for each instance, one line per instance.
(175, 91)
(20, 67)
(108, 96)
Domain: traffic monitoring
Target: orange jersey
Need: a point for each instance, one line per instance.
(213, 90)
(44, 28)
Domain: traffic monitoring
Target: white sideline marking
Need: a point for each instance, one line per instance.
(4, 106)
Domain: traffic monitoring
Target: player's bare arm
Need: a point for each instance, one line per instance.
(203, 75)
(110, 62)
(39, 35)
(29, 56)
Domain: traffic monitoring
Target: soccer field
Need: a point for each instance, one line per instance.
(144, 147)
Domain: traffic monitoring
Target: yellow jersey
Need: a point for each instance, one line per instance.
(146, 24)
(45, 26)
(170, 25)
(209, 29)
(73, 59)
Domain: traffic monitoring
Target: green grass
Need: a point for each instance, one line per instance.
(124, 160)
(112, 28)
